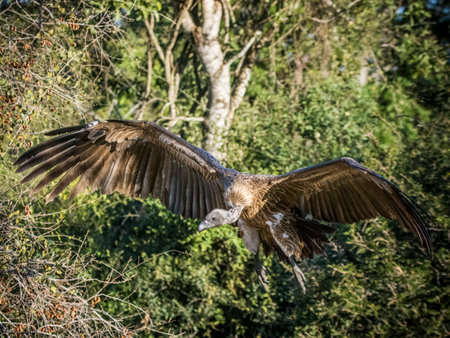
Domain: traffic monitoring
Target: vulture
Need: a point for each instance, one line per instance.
(288, 214)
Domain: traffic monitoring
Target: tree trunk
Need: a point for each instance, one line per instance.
(221, 101)
(219, 118)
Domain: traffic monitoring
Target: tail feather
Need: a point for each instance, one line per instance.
(313, 234)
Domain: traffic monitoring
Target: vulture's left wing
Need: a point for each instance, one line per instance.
(135, 158)
(344, 191)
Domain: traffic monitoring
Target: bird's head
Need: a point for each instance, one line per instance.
(215, 218)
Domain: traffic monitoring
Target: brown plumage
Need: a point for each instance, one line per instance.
(284, 213)
(134, 158)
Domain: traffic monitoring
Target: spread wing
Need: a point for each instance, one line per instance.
(135, 158)
(344, 191)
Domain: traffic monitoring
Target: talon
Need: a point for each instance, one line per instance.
(298, 274)
(262, 272)
(263, 278)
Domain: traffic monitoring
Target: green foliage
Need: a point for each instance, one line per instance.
(375, 280)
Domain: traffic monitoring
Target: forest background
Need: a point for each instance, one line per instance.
(308, 82)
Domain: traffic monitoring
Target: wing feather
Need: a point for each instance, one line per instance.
(179, 191)
(201, 201)
(218, 197)
(195, 211)
(153, 169)
(358, 203)
(173, 188)
(48, 153)
(65, 181)
(89, 165)
(188, 207)
(111, 178)
(165, 184)
(323, 206)
(315, 205)
(208, 197)
(182, 196)
(327, 201)
(104, 174)
(48, 163)
(146, 181)
(57, 171)
(344, 211)
(45, 146)
(142, 162)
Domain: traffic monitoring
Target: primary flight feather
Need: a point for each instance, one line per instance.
(283, 213)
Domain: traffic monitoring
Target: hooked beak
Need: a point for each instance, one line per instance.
(202, 226)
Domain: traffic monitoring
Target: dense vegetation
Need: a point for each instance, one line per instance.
(365, 79)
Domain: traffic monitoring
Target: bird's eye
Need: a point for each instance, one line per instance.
(213, 218)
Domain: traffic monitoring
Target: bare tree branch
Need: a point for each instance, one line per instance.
(241, 84)
(245, 49)
(149, 67)
(150, 25)
(226, 15)
(174, 120)
(185, 18)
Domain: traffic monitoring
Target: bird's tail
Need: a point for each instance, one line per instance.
(313, 234)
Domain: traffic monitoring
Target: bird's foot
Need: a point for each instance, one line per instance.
(262, 273)
(298, 274)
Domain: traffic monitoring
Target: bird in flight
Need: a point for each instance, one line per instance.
(282, 213)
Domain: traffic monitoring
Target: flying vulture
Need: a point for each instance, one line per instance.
(283, 213)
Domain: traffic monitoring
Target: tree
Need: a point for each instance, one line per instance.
(45, 286)
(210, 46)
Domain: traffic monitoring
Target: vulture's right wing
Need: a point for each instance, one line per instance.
(135, 158)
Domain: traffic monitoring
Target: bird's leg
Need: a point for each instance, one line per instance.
(261, 271)
(298, 273)
(252, 241)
